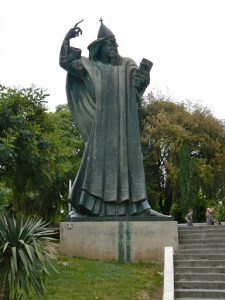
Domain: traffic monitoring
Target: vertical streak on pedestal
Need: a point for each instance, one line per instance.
(124, 241)
(121, 236)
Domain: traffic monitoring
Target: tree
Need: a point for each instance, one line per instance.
(5, 197)
(39, 151)
(66, 153)
(183, 147)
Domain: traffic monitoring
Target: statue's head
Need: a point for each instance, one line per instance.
(104, 49)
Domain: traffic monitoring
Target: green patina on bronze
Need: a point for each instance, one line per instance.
(103, 93)
(124, 241)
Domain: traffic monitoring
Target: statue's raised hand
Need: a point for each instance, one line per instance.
(74, 32)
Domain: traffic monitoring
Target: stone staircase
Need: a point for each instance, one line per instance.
(199, 263)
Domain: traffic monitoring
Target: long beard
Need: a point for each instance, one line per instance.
(115, 58)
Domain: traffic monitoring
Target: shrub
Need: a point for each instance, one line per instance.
(26, 251)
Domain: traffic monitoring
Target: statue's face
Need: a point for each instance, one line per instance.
(109, 48)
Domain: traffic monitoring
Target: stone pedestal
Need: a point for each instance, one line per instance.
(126, 239)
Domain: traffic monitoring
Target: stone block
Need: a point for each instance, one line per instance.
(128, 241)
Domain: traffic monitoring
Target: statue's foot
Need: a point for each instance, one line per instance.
(152, 213)
(146, 212)
(75, 214)
(156, 213)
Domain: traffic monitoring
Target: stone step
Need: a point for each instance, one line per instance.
(199, 256)
(214, 240)
(208, 229)
(196, 298)
(201, 269)
(200, 226)
(212, 285)
(202, 246)
(199, 294)
(199, 263)
(200, 276)
(201, 251)
(201, 235)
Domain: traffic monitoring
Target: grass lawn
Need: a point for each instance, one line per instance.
(90, 280)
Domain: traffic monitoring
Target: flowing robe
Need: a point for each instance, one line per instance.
(104, 105)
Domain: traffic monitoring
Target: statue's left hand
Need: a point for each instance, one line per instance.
(141, 79)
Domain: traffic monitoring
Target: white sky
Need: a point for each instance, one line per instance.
(185, 39)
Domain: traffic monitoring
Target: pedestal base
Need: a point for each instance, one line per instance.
(128, 241)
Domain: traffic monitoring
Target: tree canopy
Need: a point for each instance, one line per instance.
(183, 147)
(39, 151)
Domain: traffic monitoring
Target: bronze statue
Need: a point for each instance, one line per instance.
(103, 93)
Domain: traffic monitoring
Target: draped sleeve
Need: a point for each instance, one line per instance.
(79, 88)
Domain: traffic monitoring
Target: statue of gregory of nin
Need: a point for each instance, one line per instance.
(103, 93)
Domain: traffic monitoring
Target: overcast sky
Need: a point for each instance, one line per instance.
(185, 40)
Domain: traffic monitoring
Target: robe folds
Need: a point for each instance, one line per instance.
(104, 105)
